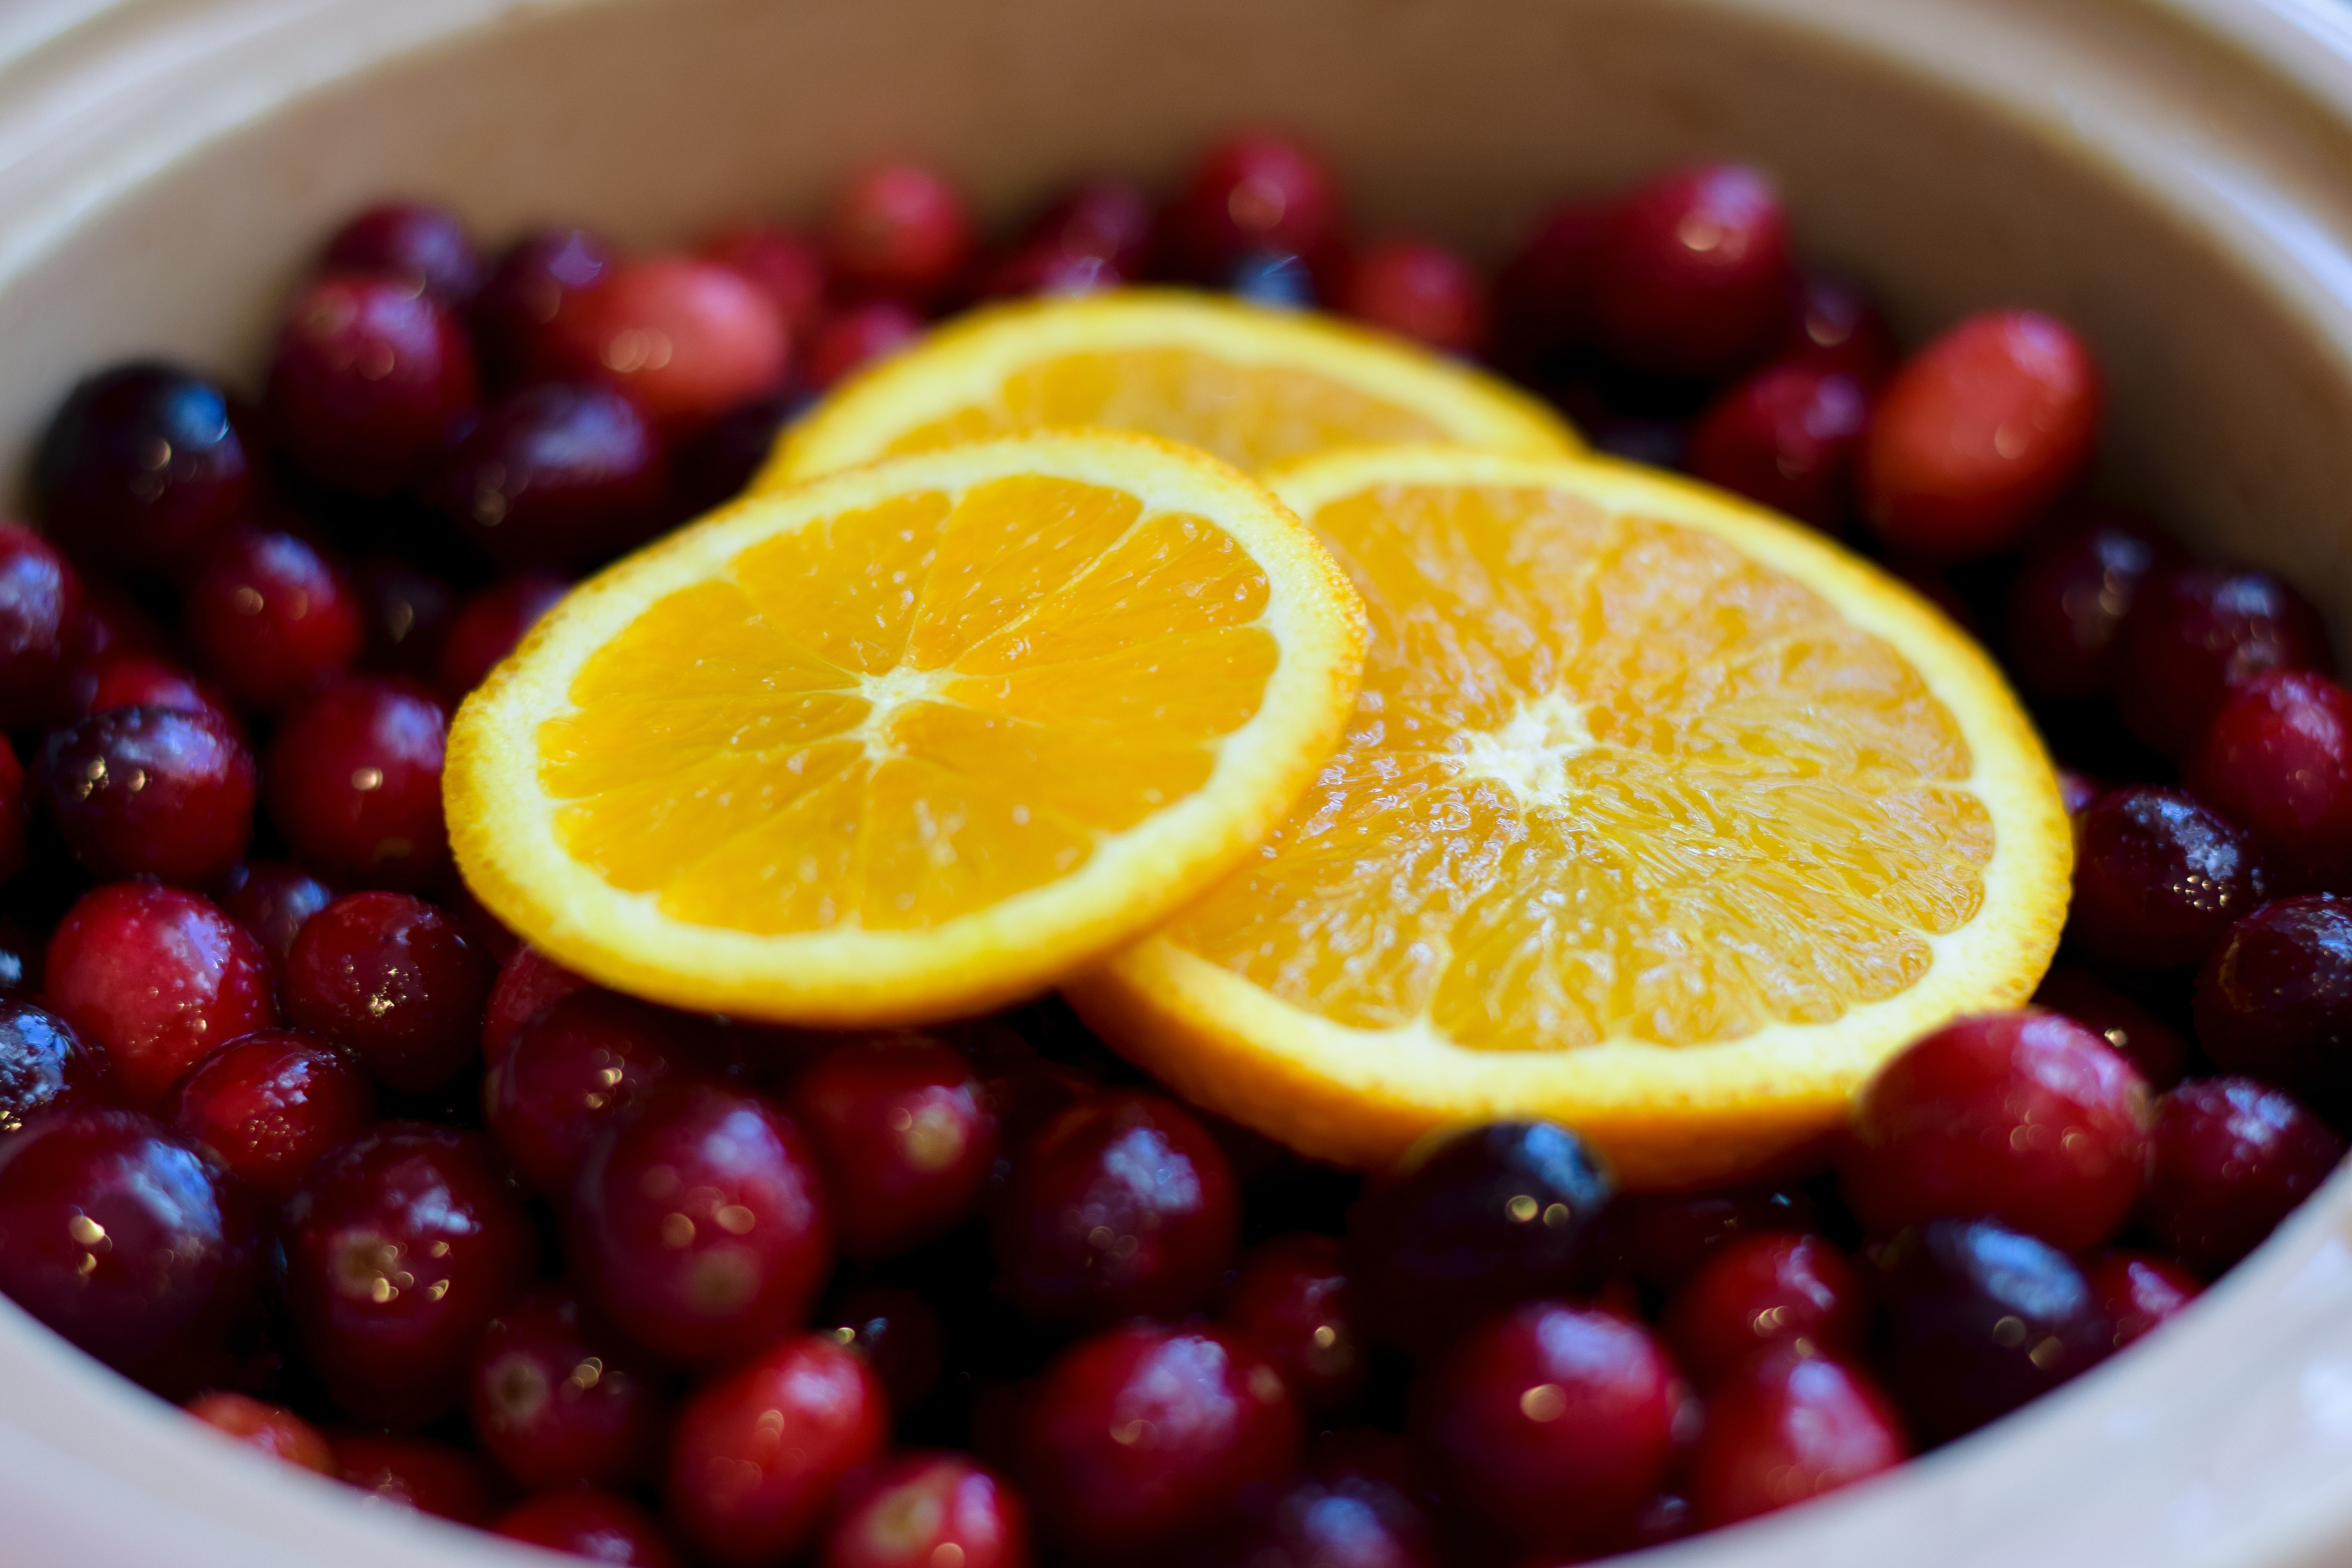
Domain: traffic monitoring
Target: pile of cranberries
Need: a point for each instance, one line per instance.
(292, 1131)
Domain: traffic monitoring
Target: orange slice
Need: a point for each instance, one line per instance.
(1658, 816)
(909, 741)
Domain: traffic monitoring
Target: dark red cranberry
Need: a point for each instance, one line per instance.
(2229, 1160)
(2275, 1001)
(270, 1105)
(424, 245)
(716, 463)
(529, 983)
(117, 1234)
(700, 1227)
(406, 613)
(1124, 1204)
(489, 626)
(44, 1065)
(556, 1397)
(353, 781)
(475, 924)
(415, 1473)
(272, 1429)
(1838, 328)
(2026, 1118)
(125, 679)
(1765, 1291)
(1029, 1096)
(855, 337)
(1252, 195)
(1488, 1218)
(2278, 759)
(1690, 274)
(1350, 1521)
(585, 1523)
(515, 313)
(111, 622)
(16, 813)
(760, 1453)
(2158, 879)
(2149, 1044)
(686, 340)
(907, 1137)
(273, 900)
(2194, 633)
(1291, 1300)
(1552, 1426)
(272, 617)
(156, 977)
(924, 1510)
(899, 1334)
(141, 469)
(1785, 437)
(40, 613)
(20, 959)
(399, 1248)
(2139, 1292)
(1147, 1433)
(782, 264)
(1788, 1426)
(1543, 294)
(388, 977)
(1418, 290)
(2068, 602)
(579, 1066)
(150, 792)
(1099, 236)
(558, 474)
(1978, 1321)
(366, 376)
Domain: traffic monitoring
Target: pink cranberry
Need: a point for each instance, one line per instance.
(2275, 1001)
(1421, 290)
(2140, 1293)
(407, 612)
(273, 899)
(417, 1473)
(923, 1510)
(353, 781)
(2278, 759)
(579, 1066)
(157, 977)
(897, 230)
(366, 376)
(41, 609)
(492, 622)
(907, 1137)
(272, 617)
(140, 468)
(528, 984)
(556, 1398)
(1837, 328)
(1255, 195)
(1096, 235)
(1788, 1426)
(782, 264)
(898, 1333)
(534, 282)
(1291, 1300)
(150, 792)
(44, 1065)
(1690, 274)
(271, 1428)
(399, 1250)
(270, 1105)
(583, 1522)
(422, 244)
(2068, 602)
(759, 1455)
(1765, 1291)
(855, 337)
(2149, 1044)
(1543, 292)
(2229, 1160)
(1785, 437)
(1350, 1521)
(2196, 632)
(688, 339)
(2158, 878)
(558, 474)
(388, 977)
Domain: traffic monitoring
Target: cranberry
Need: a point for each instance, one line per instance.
(422, 244)
(1291, 1300)
(716, 463)
(555, 1398)
(583, 1522)
(353, 781)
(2274, 1000)
(270, 1105)
(759, 1454)
(688, 339)
(2278, 759)
(45, 1065)
(528, 984)
(15, 812)
(1543, 292)
(399, 1248)
(2149, 1044)
(2229, 1160)
(417, 1474)
(542, 273)
(272, 1429)
(1785, 437)
(40, 608)
(1252, 195)
(1787, 1428)
(1351, 1521)
(561, 474)
(1098, 235)
(1275, 279)
(1980, 1319)
(855, 337)
(1419, 290)
(1764, 1290)
(389, 978)
(782, 264)
(2197, 631)
(698, 1226)
(272, 617)
(20, 961)
(366, 376)
(580, 1065)
(1552, 1425)
(922, 1510)
(1147, 1433)
(1837, 328)
(2140, 1293)
(907, 1137)
(273, 900)
(150, 792)
(157, 977)
(2158, 878)
(142, 470)
(2068, 602)
(489, 626)
(116, 1234)
(899, 1334)
(897, 230)
(405, 611)
(1690, 273)
(1123, 1204)
(125, 679)
(1488, 1218)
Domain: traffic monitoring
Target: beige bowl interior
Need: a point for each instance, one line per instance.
(2172, 177)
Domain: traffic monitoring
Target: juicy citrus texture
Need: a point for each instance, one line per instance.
(1257, 387)
(914, 740)
(1655, 816)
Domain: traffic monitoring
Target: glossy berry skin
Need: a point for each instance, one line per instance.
(100, 491)
(415, 1473)
(1543, 290)
(116, 1234)
(489, 625)
(1551, 1425)
(1690, 273)
(2196, 632)
(899, 1335)
(1252, 195)
(907, 1137)
(529, 983)
(1786, 1427)
(533, 283)
(921, 1510)
(2278, 759)
(583, 1522)
(577, 1067)
(388, 978)
(1096, 235)
(897, 230)
(1291, 1300)
(2158, 879)
(686, 340)
(2026, 1118)
(1785, 438)
(1418, 290)
(124, 680)
(1123, 1204)
(556, 1398)
(398, 1250)
(857, 336)
(700, 1227)
(2139, 1291)
(272, 617)
(2068, 602)
(271, 1428)
(1488, 1218)
(2275, 1001)
(1836, 327)
(758, 1456)
(353, 781)
(40, 611)
(151, 792)
(45, 1065)
(2230, 1159)
(421, 244)
(270, 1105)
(366, 376)
(558, 474)
(1978, 434)
(156, 977)
(273, 899)
(1978, 1321)
(1765, 1291)
(1147, 1433)
(1338, 1522)
(2148, 1042)
(406, 612)
(780, 262)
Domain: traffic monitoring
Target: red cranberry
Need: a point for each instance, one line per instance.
(1252, 195)
(1690, 273)
(272, 617)
(124, 680)
(700, 1227)
(1543, 292)
(2196, 632)
(2229, 1160)
(116, 1234)
(1352, 1522)
(559, 474)
(270, 1105)
(922, 1510)
(1148, 1433)
(1764, 1290)
(2278, 759)
(515, 313)
(399, 1248)
(422, 244)
(2067, 603)
(141, 469)
(782, 264)
(1787, 1428)
(273, 900)
(157, 977)
(1552, 1425)
(407, 612)
(417, 1474)
(366, 376)
(897, 230)
(759, 1454)
(353, 781)
(899, 1334)
(1837, 328)
(16, 813)
(585, 1523)
(1421, 290)
(2158, 878)
(580, 1065)
(489, 626)
(1488, 1218)
(45, 1065)
(272, 1429)
(556, 1399)
(1785, 437)
(1098, 235)
(688, 339)
(2275, 1001)
(388, 977)
(2149, 1044)
(150, 792)
(528, 984)
(1291, 1300)
(907, 1137)
(855, 337)
(2140, 1293)
(40, 610)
